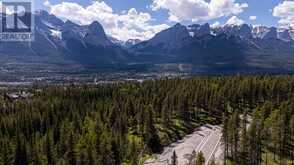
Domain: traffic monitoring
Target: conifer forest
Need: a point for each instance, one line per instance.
(124, 123)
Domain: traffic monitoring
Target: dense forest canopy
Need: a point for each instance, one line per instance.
(120, 123)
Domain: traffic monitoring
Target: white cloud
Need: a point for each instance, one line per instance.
(234, 20)
(285, 11)
(253, 17)
(129, 24)
(198, 10)
(46, 3)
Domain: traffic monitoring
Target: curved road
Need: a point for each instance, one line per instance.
(205, 139)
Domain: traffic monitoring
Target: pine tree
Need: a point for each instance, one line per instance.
(212, 161)
(275, 131)
(200, 160)
(225, 136)
(174, 159)
(150, 134)
(35, 160)
(192, 158)
(183, 108)
(291, 126)
(252, 142)
(49, 149)
(243, 148)
(6, 154)
(20, 157)
(134, 153)
(71, 153)
(166, 113)
(233, 135)
(106, 155)
(91, 159)
(83, 158)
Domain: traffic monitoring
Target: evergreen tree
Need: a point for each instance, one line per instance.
(106, 156)
(71, 153)
(243, 148)
(266, 137)
(49, 149)
(192, 158)
(225, 136)
(83, 158)
(212, 161)
(150, 134)
(6, 154)
(233, 135)
(253, 142)
(90, 158)
(275, 131)
(200, 160)
(134, 153)
(20, 157)
(291, 126)
(174, 159)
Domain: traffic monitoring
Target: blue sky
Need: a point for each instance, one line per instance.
(159, 14)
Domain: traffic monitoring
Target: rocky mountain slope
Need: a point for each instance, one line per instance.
(230, 48)
(59, 42)
(65, 45)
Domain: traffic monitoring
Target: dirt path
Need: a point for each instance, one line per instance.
(205, 139)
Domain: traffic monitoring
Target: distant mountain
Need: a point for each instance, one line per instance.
(197, 30)
(273, 33)
(61, 46)
(125, 44)
(96, 36)
(259, 31)
(270, 34)
(243, 31)
(167, 41)
(291, 32)
(66, 42)
(284, 35)
(230, 47)
(116, 41)
(131, 42)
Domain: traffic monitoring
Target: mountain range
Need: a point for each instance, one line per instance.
(62, 46)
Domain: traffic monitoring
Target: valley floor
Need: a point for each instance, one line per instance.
(206, 139)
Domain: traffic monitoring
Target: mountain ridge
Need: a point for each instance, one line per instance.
(228, 47)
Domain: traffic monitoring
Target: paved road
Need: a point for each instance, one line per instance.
(205, 139)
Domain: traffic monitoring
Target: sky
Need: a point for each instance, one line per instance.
(141, 19)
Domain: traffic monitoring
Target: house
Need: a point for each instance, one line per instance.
(18, 95)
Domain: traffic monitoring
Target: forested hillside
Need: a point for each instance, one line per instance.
(121, 123)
